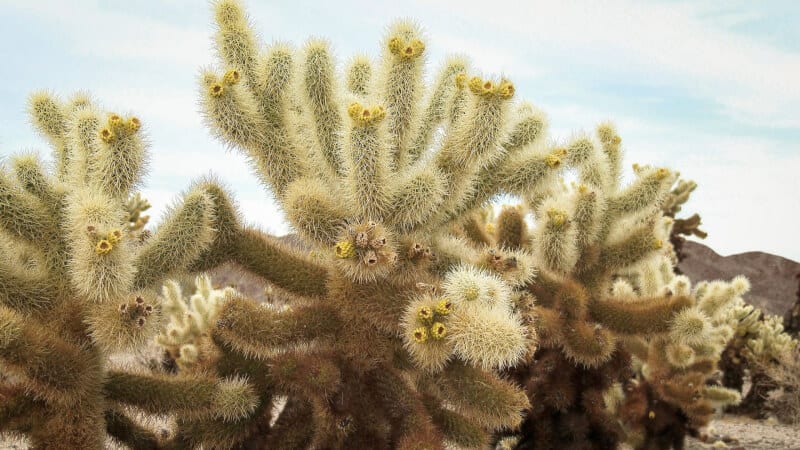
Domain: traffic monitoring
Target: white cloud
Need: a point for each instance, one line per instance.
(754, 82)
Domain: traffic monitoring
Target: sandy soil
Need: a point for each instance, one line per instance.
(743, 433)
(734, 433)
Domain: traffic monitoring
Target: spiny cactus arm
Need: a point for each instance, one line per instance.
(526, 171)
(230, 110)
(436, 110)
(319, 86)
(512, 231)
(294, 428)
(180, 239)
(401, 78)
(126, 431)
(120, 157)
(225, 223)
(236, 42)
(268, 136)
(33, 178)
(530, 127)
(475, 138)
(405, 408)
(367, 161)
(50, 119)
(635, 245)
(24, 215)
(645, 316)
(24, 290)
(475, 231)
(454, 427)
(253, 330)
(189, 396)
(277, 263)
(314, 210)
(611, 144)
(359, 76)
(52, 368)
(99, 264)
(648, 190)
(481, 396)
(125, 325)
(416, 194)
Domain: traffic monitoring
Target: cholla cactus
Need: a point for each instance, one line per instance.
(74, 287)
(190, 320)
(674, 393)
(690, 226)
(385, 343)
(585, 236)
(759, 342)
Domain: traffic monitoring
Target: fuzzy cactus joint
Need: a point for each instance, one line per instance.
(412, 314)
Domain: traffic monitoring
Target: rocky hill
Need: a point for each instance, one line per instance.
(772, 277)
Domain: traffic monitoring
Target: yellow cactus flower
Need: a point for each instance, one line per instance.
(480, 87)
(134, 124)
(438, 330)
(216, 89)
(232, 76)
(114, 121)
(552, 160)
(420, 335)
(103, 247)
(444, 306)
(395, 44)
(107, 135)
(425, 313)
(345, 249)
(461, 80)
(490, 228)
(505, 89)
(114, 237)
(557, 217)
(354, 110)
(662, 173)
(657, 244)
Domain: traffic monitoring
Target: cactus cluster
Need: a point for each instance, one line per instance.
(411, 316)
(78, 279)
(759, 343)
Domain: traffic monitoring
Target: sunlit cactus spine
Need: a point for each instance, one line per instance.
(77, 284)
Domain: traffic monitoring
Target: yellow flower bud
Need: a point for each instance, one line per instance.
(552, 160)
(232, 76)
(345, 249)
(420, 335)
(444, 306)
(114, 237)
(107, 135)
(461, 80)
(438, 330)
(103, 247)
(216, 89)
(505, 89)
(134, 124)
(424, 313)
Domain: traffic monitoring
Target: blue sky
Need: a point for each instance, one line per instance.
(709, 88)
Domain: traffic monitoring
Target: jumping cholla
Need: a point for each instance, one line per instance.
(411, 321)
